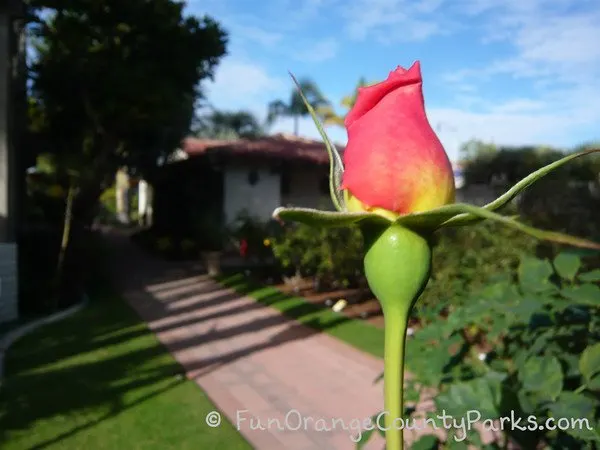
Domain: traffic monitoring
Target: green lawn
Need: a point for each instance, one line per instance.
(100, 380)
(357, 333)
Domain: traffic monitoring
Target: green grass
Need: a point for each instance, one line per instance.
(357, 333)
(101, 380)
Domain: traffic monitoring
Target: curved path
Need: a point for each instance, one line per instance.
(250, 359)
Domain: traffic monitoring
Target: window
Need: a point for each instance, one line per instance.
(253, 177)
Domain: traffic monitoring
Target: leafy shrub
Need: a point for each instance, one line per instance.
(465, 259)
(206, 230)
(572, 209)
(334, 256)
(530, 345)
(257, 234)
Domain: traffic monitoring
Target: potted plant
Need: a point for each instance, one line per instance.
(211, 236)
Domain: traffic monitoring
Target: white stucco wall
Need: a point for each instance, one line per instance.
(259, 199)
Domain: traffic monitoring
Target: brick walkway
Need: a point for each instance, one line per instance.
(249, 358)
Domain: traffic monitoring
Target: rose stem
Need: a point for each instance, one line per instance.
(395, 322)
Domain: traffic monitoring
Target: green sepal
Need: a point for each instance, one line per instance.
(318, 218)
(466, 218)
(425, 222)
(336, 166)
(552, 236)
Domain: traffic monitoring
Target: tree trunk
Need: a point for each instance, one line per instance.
(68, 220)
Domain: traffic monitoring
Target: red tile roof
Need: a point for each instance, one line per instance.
(279, 146)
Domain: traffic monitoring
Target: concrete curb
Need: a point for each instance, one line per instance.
(17, 334)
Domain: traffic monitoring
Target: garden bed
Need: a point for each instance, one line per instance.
(361, 303)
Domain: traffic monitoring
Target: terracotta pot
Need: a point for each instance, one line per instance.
(212, 262)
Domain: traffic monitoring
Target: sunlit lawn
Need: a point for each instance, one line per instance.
(100, 380)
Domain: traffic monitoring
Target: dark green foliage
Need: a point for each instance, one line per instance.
(465, 259)
(111, 83)
(332, 255)
(569, 207)
(258, 236)
(38, 248)
(116, 82)
(540, 337)
(188, 199)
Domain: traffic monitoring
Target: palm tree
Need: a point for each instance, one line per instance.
(295, 107)
(330, 117)
(229, 125)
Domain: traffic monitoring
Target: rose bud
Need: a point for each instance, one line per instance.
(394, 162)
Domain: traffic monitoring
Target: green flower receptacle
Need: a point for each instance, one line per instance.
(397, 267)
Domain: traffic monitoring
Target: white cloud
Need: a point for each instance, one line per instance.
(298, 14)
(548, 39)
(394, 20)
(240, 84)
(321, 51)
(501, 127)
(553, 45)
(255, 34)
(520, 105)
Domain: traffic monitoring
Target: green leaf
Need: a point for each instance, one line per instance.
(585, 294)
(318, 218)
(567, 265)
(535, 232)
(455, 443)
(526, 307)
(336, 166)
(590, 277)
(430, 220)
(542, 375)
(573, 406)
(480, 394)
(534, 275)
(427, 442)
(586, 430)
(467, 218)
(589, 365)
(427, 363)
(570, 363)
(579, 408)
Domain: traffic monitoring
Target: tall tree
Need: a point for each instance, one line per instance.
(295, 107)
(115, 84)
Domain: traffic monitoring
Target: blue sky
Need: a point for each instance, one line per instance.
(512, 72)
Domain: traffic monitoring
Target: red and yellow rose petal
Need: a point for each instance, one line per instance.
(394, 162)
